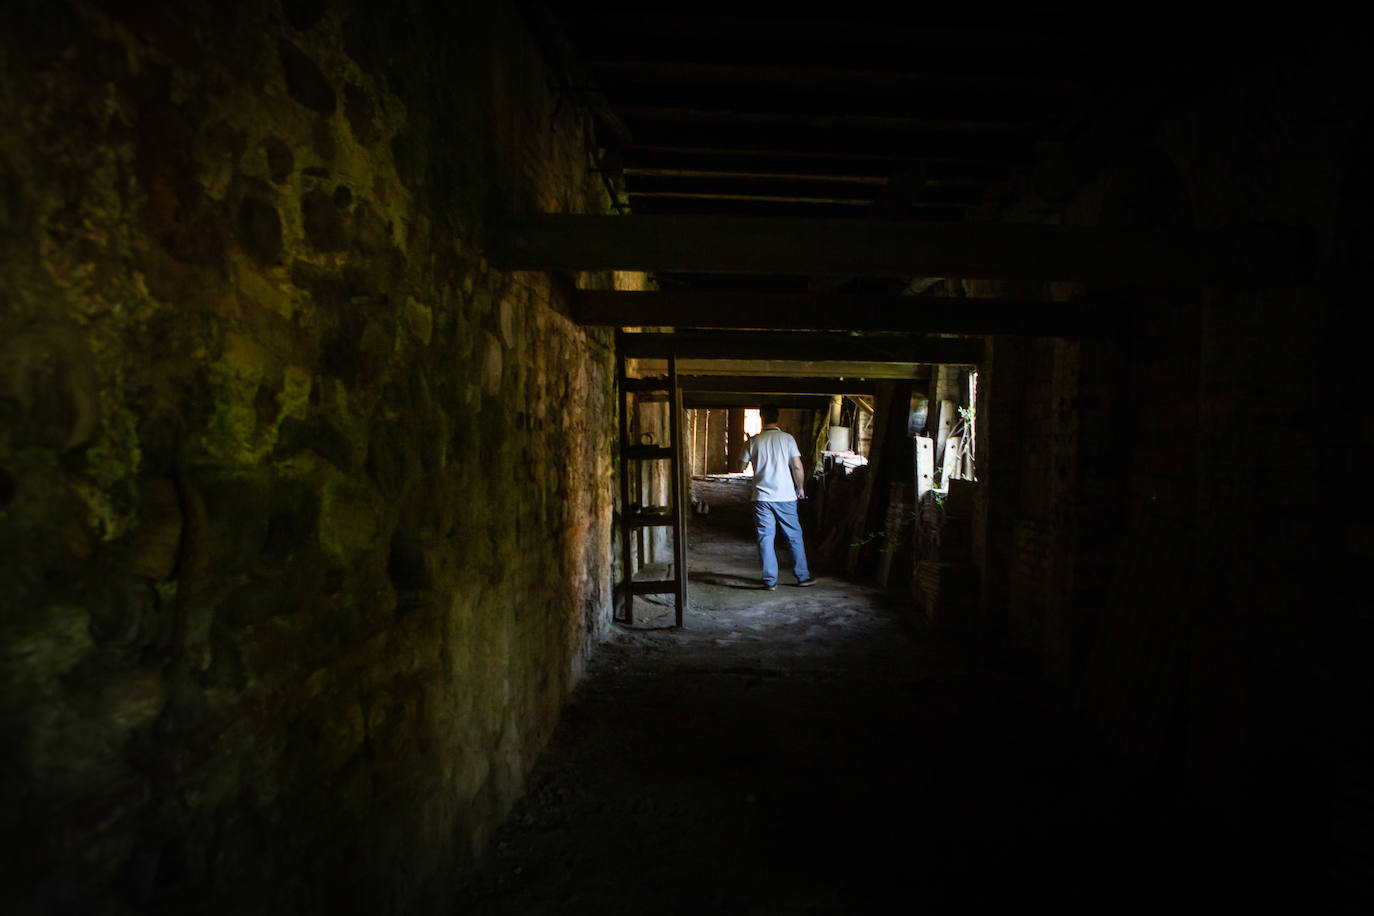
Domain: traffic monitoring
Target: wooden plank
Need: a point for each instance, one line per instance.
(763, 384)
(785, 368)
(733, 76)
(893, 248)
(809, 347)
(839, 312)
(734, 435)
(717, 400)
(860, 169)
(649, 519)
(812, 118)
(647, 452)
(655, 587)
(770, 385)
(895, 142)
(964, 194)
(863, 34)
(679, 499)
(645, 384)
(949, 468)
(949, 414)
(925, 467)
(762, 208)
(627, 569)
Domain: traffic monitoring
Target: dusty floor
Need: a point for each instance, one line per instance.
(809, 751)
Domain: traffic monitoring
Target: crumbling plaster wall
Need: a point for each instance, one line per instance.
(304, 507)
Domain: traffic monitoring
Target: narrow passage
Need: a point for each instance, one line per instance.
(797, 751)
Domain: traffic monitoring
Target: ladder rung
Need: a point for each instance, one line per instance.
(647, 384)
(648, 451)
(654, 587)
(649, 519)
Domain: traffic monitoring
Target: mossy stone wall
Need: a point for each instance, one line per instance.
(304, 507)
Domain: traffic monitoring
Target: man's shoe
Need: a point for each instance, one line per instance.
(803, 583)
(771, 588)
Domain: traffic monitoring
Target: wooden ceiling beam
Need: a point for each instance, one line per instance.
(842, 141)
(714, 400)
(664, 205)
(806, 347)
(839, 312)
(898, 34)
(621, 74)
(869, 168)
(1254, 256)
(767, 384)
(786, 368)
(811, 119)
(809, 189)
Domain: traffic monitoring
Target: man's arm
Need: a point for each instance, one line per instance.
(798, 477)
(744, 456)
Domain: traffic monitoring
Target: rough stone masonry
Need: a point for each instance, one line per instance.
(304, 509)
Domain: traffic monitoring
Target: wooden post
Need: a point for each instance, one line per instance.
(734, 437)
(715, 440)
(680, 497)
(627, 570)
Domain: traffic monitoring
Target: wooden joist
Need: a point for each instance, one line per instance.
(806, 189)
(817, 347)
(773, 208)
(716, 400)
(628, 74)
(891, 248)
(863, 169)
(756, 386)
(768, 385)
(688, 309)
(837, 139)
(785, 368)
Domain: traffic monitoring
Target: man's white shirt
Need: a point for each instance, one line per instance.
(771, 453)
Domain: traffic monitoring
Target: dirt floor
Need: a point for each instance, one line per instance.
(808, 751)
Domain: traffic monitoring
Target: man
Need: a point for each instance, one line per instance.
(778, 480)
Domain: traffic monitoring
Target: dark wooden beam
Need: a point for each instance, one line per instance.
(621, 75)
(664, 205)
(811, 118)
(715, 400)
(839, 312)
(868, 168)
(805, 189)
(861, 40)
(806, 347)
(1255, 256)
(766, 384)
(837, 140)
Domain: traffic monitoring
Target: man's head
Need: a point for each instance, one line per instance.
(768, 413)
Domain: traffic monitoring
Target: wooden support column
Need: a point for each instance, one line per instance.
(715, 438)
(734, 437)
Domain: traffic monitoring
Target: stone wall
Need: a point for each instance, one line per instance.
(304, 508)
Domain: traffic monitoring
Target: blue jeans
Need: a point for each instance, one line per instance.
(768, 517)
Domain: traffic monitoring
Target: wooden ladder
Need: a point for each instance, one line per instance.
(631, 520)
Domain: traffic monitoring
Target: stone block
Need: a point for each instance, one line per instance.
(154, 546)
